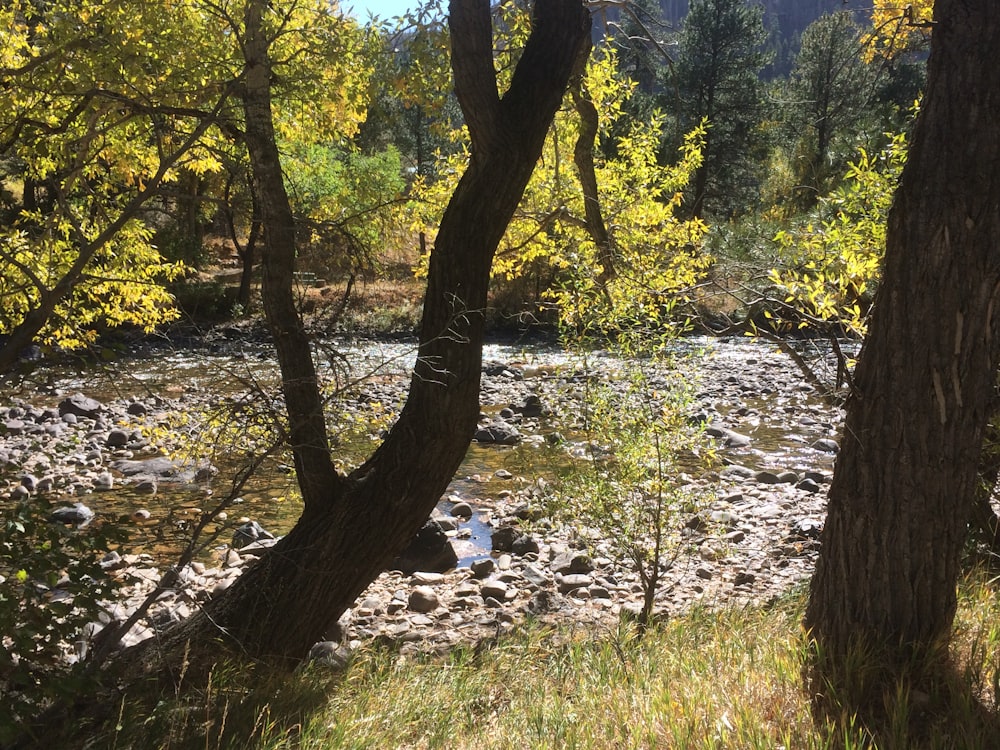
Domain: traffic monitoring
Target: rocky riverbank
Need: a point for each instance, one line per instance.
(754, 539)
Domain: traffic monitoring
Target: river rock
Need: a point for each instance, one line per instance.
(502, 540)
(248, 533)
(571, 562)
(572, 582)
(497, 433)
(429, 550)
(117, 438)
(164, 469)
(482, 568)
(501, 370)
(81, 406)
(462, 509)
(77, 514)
(524, 545)
(495, 589)
(531, 408)
(422, 599)
(827, 445)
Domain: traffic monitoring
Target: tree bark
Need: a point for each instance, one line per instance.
(906, 476)
(351, 528)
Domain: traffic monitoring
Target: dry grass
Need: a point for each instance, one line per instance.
(727, 679)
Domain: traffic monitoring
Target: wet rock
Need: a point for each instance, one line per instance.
(827, 445)
(497, 433)
(531, 408)
(248, 533)
(430, 550)
(77, 514)
(501, 370)
(461, 509)
(162, 469)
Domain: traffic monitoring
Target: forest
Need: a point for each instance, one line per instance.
(553, 373)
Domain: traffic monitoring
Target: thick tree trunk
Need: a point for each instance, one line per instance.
(351, 528)
(906, 477)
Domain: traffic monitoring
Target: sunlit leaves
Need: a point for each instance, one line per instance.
(657, 254)
(831, 266)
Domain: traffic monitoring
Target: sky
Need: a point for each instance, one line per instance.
(381, 8)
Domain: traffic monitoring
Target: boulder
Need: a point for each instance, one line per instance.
(429, 550)
(81, 406)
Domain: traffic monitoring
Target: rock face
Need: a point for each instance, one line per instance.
(430, 551)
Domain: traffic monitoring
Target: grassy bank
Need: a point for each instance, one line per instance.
(729, 679)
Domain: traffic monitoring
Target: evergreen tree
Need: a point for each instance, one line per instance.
(717, 74)
(828, 93)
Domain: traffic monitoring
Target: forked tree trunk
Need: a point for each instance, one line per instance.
(351, 527)
(906, 476)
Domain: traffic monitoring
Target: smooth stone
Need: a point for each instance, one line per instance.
(807, 485)
(767, 477)
(494, 588)
(524, 545)
(482, 568)
(534, 575)
(462, 510)
(117, 439)
(571, 562)
(788, 477)
(81, 406)
(77, 514)
(423, 599)
(826, 445)
(572, 582)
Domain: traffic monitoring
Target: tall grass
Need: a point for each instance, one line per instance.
(725, 679)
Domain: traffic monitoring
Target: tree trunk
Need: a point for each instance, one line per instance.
(352, 527)
(906, 476)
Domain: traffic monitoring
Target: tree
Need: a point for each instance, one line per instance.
(92, 140)
(902, 492)
(717, 73)
(828, 91)
(351, 526)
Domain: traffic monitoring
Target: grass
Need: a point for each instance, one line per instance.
(726, 679)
